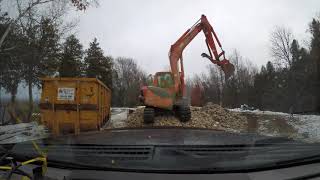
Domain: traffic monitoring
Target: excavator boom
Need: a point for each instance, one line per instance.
(214, 56)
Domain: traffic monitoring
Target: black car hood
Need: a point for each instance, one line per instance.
(172, 150)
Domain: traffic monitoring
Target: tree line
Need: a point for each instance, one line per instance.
(122, 75)
(292, 82)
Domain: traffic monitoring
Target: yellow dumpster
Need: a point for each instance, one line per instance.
(74, 105)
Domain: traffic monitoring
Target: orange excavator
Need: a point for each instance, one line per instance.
(166, 90)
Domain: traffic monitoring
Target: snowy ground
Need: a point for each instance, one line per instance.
(302, 127)
(22, 132)
(306, 127)
(260, 112)
(33, 131)
(118, 118)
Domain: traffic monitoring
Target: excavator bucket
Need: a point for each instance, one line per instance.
(225, 65)
(228, 69)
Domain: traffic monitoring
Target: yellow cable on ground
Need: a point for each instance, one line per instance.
(25, 178)
(34, 160)
(38, 149)
(43, 155)
(5, 167)
(41, 159)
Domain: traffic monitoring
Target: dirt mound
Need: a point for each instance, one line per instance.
(211, 116)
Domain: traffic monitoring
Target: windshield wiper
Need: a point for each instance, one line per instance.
(300, 161)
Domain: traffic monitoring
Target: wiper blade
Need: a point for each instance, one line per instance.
(82, 166)
(75, 165)
(301, 160)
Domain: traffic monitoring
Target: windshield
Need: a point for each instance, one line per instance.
(90, 74)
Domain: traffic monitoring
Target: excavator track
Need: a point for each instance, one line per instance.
(148, 115)
(184, 113)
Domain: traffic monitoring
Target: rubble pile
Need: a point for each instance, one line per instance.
(211, 116)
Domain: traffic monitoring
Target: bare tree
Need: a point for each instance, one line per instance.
(23, 8)
(244, 68)
(22, 13)
(281, 38)
(213, 84)
(127, 81)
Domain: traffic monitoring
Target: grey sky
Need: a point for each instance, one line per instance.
(145, 29)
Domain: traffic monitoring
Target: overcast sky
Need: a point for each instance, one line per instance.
(145, 29)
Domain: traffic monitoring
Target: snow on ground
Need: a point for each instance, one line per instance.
(307, 126)
(118, 117)
(268, 123)
(16, 133)
(257, 111)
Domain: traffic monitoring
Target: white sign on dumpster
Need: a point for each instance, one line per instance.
(66, 94)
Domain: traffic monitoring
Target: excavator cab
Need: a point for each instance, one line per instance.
(164, 80)
(160, 92)
(161, 79)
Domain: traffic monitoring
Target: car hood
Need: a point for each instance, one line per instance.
(172, 149)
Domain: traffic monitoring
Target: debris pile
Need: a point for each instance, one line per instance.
(211, 116)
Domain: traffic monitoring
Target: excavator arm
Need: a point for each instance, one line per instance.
(214, 56)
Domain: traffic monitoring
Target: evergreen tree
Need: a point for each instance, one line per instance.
(315, 55)
(294, 76)
(315, 40)
(70, 63)
(295, 51)
(40, 52)
(270, 69)
(268, 96)
(10, 65)
(259, 87)
(98, 65)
